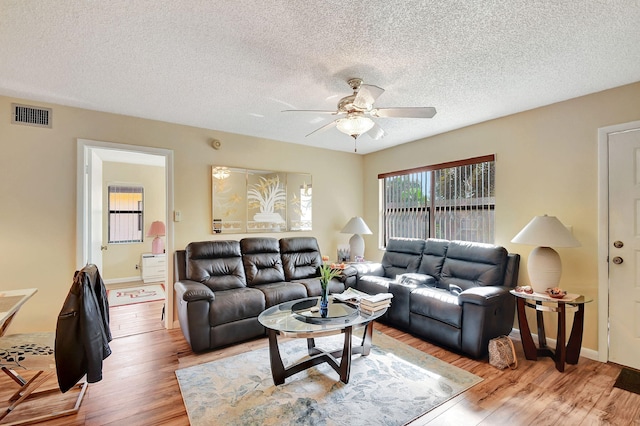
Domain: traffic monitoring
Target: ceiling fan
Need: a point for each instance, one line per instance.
(356, 110)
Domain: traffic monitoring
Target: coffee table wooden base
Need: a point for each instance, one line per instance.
(319, 356)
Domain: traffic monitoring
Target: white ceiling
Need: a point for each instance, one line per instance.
(234, 65)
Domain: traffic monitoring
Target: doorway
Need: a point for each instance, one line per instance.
(619, 243)
(94, 157)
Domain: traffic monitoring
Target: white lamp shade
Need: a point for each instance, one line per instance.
(546, 231)
(544, 265)
(356, 225)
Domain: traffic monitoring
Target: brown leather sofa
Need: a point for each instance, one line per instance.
(222, 286)
(453, 293)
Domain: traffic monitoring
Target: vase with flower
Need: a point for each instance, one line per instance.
(327, 272)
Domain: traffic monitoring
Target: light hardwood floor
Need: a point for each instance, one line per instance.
(140, 387)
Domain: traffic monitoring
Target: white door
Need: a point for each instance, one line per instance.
(624, 248)
(94, 168)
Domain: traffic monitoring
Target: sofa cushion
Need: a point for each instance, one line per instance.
(433, 256)
(300, 257)
(315, 289)
(438, 304)
(474, 264)
(402, 255)
(236, 304)
(261, 259)
(276, 293)
(217, 264)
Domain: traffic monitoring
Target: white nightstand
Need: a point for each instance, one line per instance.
(154, 267)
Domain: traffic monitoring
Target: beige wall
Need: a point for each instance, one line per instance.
(38, 192)
(119, 260)
(546, 163)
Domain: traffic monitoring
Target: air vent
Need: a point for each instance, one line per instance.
(30, 115)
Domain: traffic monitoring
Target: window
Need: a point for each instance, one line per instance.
(453, 201)
(125, 214)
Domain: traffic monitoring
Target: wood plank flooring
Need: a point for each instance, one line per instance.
(140, 387)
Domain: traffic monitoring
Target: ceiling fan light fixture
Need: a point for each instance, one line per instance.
(354, 124)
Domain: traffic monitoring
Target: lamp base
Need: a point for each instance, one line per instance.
(356, 246)
(545, 269)
(157, 246)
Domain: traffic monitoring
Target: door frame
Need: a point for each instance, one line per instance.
(84, 151)
(603, 233)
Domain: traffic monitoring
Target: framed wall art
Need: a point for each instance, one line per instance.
(247, 200)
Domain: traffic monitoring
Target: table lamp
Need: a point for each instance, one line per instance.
(157, 230)
(356, 226)
(544, 265)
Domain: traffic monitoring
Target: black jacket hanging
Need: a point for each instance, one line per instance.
(82, 331)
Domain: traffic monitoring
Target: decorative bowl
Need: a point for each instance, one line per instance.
(556, 293)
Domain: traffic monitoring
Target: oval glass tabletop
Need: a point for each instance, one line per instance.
(305, 316)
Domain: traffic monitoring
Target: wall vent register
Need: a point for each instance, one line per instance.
(31, 115)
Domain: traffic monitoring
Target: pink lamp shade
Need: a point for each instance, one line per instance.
(158, 230)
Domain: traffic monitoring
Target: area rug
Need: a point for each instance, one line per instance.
(392, 386)
(628, 380)
(130, 295)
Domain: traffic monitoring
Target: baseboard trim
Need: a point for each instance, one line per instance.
(122, 280)
(585, 352)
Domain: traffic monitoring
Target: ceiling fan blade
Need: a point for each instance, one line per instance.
(376, 132)
(367, 95)
(316, 111)
(324, 128)
(417, 112)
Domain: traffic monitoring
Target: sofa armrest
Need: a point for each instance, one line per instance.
(483, 295)
(348, 272)
(191, 291)
(368, 268)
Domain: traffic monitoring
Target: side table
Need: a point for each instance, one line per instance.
(568, 353)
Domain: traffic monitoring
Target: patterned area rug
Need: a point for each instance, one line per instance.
(392, 386)
(131, 295)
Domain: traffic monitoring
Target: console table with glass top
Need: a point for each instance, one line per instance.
(10, 303)
(569, 353)
(303, 318)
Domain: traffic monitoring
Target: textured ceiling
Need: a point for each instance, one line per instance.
(234, 65)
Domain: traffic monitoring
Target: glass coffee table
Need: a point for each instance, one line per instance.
(303, 318)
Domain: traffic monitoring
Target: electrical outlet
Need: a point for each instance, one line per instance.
(177, 216)
(137, 266)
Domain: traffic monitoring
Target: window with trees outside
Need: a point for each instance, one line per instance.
(125, 214)
(452, 201)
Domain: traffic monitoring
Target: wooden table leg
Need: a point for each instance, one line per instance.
(542, 337)
(561, 349)
(367, 338)
(575, 339)
(277, 367)
(345, 360)
(530, 351)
